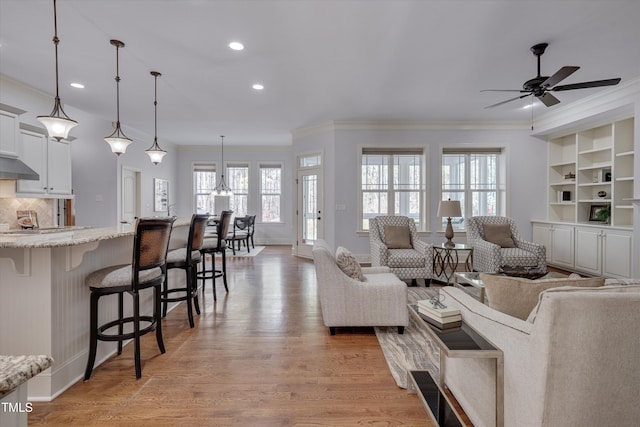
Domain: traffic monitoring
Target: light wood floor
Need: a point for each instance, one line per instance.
(260, 356)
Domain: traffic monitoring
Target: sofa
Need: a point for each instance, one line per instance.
(380, 299)
(574, 362)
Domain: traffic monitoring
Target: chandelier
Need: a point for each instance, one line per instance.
(155, 152)
(58, 124)
(118, 140)
(222, 189)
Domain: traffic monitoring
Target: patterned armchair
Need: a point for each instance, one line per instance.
(489, 257)
(410, 263)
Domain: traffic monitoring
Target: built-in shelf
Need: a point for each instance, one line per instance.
(595, 150)
(626, 153)
(593, 184)
(595, 166)
(563, 183)
(560, 164)
(625, 178)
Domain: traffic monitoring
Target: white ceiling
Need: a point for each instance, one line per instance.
(318, 60)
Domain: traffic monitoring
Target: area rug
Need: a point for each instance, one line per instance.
(243, 252)
(413, 350)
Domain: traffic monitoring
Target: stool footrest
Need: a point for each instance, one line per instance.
(126, 336)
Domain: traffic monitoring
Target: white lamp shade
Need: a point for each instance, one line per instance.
(118, 145)
(57, 127)
(156, 156)
(449, 209)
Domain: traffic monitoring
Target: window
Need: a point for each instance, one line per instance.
(392, 183)
(473, 176)
(204, 181)
(238, 181)
(270, 192)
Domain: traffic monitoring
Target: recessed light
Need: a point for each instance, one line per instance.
(77, 85)
(236, 46)
(258, 86)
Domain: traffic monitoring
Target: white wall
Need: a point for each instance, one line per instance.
(265, 233)
(526, 179)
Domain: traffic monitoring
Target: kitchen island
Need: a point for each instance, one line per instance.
(44, 302)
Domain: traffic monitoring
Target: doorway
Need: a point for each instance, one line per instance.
(130, 204)
(309, 206)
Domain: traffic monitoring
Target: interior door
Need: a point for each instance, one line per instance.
(130, 207)
(309, 211)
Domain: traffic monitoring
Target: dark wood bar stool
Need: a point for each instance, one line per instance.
(150, 247)
(211, 246)
(187, 259)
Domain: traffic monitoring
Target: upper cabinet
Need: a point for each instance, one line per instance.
(592, 171)
(8, 134)
(51, 160)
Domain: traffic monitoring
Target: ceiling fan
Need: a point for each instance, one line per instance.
(541, 86)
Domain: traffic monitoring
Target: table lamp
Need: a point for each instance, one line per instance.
(449, 208)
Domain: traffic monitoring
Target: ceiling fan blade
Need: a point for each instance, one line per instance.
(508, 100)
(504, 90)
(560, 75)
(584, 85)
(548, 99)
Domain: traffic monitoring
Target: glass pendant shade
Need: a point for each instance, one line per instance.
(57, 127)
(155, 152)
(118, 141)
(118, 144)
(58, 124)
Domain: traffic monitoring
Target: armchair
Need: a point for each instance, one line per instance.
(409, 261)
(489, 257)
(380, 300)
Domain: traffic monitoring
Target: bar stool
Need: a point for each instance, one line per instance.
(187, 259)
(211, 246)
(150, 246)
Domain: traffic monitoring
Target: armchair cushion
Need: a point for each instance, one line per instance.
(397, 237)
(518, 296)
(348, 264)
(500, 234)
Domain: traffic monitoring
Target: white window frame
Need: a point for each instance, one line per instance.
(204, 167)
(236, 192)
(500, 190)
(262, 193)
(422, 191)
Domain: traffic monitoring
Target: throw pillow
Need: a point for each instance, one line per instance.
(397, 237)
(499, 234)
(517, 296)
(348, 264)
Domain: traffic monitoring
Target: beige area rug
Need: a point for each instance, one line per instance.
(243, 252)
(413, 350)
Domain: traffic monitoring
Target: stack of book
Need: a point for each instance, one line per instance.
(438, 315)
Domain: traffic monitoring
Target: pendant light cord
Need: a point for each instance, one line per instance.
(56, 40)
(117, 87)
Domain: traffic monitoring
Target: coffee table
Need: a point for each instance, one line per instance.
(463, 342)
(470, 278)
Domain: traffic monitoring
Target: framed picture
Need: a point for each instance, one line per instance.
(599, 213)
(161, 195)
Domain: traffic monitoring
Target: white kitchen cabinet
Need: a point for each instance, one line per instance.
(8, 134)
(604, 251)
(51, 160)
(558, 241)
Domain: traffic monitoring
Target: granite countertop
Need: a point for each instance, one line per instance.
(72, 236)
(15, 370)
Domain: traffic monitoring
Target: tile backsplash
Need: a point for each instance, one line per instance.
(44, 207)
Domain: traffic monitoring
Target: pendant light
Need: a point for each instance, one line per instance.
(155, 152)
(58, 124)
(118, 140)
(222, 189)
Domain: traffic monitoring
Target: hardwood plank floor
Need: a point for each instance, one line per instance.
(259, 356)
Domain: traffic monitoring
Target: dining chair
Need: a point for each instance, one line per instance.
(212, 245)
(147, 270)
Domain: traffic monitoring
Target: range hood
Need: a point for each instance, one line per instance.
(11, 168)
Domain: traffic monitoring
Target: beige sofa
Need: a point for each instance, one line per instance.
(380, 300)
(576, 364)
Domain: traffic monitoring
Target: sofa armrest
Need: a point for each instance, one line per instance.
(379, 253)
